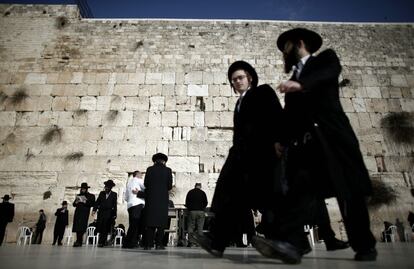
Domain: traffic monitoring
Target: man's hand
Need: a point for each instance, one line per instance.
(279, 149)
(135, 191)
(289, 86)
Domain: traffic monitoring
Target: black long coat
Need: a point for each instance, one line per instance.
(62, 219)
(158, 181)
(82, 212)
(106, 207)
(250, 168)
(338, 166)
(6, 212)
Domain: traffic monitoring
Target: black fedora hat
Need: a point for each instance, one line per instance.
(242, 65)
(312, 39)
(109, 183)
(6, 197)
(159, 156)
(84, 185)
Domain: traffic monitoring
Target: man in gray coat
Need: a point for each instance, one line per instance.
(158, 181)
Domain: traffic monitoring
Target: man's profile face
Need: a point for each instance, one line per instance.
(290, 56)
(83, 190)
(241, 81)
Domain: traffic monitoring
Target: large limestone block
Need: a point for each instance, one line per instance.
(399, 81)
(88, 103)
(184, 164)
(201, 148)
(7, 118)
(369, 80)
(27, 119)
(359, 104)
(197, 90)
(126, 90)
(195, 77)
(36, 78)
(154, 119)
(134, 78)
(177, 148)
(137, 103)
(212, 119)
(113, 133)
(59, 103)
(168, 78)
(156, 103)
(185, 118)
(169, 118)
(153, 78)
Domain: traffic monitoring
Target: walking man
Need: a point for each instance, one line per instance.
(196, 203)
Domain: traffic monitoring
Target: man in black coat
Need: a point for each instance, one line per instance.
(247, 179)
(40, 227)
(83, 203)
(6, 215)
(323, 155)
(157, 181)
(196, 203)
(106, 205)
(62, 221)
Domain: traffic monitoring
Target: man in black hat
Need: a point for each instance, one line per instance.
(6, 215)
(62, 221)
(83, 203)
(157, 181)
(247, 179)
(324, 159)
(106, 205)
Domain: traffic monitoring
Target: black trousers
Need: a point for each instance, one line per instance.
(323, 221)
(134, 214)
(104, 223)
(58, 233)
(38, 235)
(2, 230)
(152, 233)
(79, 237)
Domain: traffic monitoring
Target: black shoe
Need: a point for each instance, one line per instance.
(366, 255)
(127, 246)
(77, 244)
(274, 249)
(100, 245)
(335, 244)
(160, 247)
(205, 243)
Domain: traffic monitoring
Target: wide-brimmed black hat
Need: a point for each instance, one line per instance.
(109, 183)
(159, 156)
(6, 197)
(242, 65)
(64, 203)
(312, 39)
(84, 185)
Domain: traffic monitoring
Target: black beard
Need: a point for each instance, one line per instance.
(291, 59)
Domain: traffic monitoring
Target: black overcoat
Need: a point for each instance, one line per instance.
(316, 114)
(6, 212)
(250, 168)
(106, 207)
(82, 212)
(62, 219)
(158, 181)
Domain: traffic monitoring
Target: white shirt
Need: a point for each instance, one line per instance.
(131, 198)
(299, 66)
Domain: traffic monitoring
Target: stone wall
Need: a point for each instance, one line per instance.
(115, 92)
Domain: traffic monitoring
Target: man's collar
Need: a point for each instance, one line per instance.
(305, 58)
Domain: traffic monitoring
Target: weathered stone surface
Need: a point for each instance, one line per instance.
(119, 106)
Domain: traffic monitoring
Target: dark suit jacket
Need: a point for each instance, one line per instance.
(157, 181)
(82, 212)
(62, 218)
(338, 159)
(106, 207)
(249, 170)
(6, 212)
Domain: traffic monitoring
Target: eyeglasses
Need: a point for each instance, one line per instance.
(235, 79)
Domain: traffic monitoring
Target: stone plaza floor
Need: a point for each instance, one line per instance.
(392, 255)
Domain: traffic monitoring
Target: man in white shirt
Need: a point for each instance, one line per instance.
(135, 206)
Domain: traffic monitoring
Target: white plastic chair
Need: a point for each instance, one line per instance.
(119, 232)
(90, 233)
(24, 234)
(68, 235)
(392, 232)
(308, 229)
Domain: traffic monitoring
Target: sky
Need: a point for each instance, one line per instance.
(290, 10)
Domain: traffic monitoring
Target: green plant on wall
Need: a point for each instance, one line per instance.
(54, 133)
(382, 194)
(18, 97)
(399, 127)
(74, 156)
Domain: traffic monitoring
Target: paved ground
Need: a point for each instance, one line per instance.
(395, 256)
